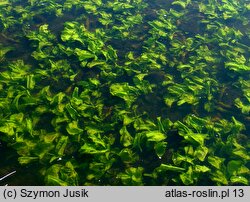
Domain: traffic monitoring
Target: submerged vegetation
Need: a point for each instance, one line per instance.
(127, 92)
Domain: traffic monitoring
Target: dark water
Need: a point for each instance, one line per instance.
(174, 43)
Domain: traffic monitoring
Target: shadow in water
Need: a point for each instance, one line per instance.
(12, 173)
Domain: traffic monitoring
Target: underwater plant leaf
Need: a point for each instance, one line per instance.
(132, 176)
(178, 159)
(169, 101)
(95, 63)
(126, 92)
(242, 153)
(88, 148)
(183, 4)
(144, 125)
(43, 37)
(84, 54)
(96, 92)
(72, 32)
(165, 167)
(139, 140)
(239, 180)
(4, 50)
(61, 175)
(54, 181)
(4, 2)
(237, 67)
(160, 148)
(196, 137)
(128, 156)
(61, 145)
(201, 152)
(72, 111)
(216, 161)
(50, 137)
(127, 120)
(155, 136)
(245, 108)
(235, 167)
(8, 129)
(189, 150)
(26, 159)
(73, 129)
(31, 81)
(187, 178)
(164, 124)
(202, 169)
(219, 177)
(126, 139)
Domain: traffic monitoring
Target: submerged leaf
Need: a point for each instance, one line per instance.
(165, 167)
(216, 161)
(239, 180)
(126, 139)
(219, 177)
(155, 136)
(160, 148)
(73, 128)
(126, 92)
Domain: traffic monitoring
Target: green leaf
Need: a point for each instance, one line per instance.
(4, 2)
(73, 129)
(178, 159)
(126, 92)
(83, 55)
(88, 148)
(169, 101)
(128, 156)
(95, 63)
(55, 181)
(164, 125)
(50, 137)
(202, 169)
(132, 176)
(187, 178)
(62, 175)
(160, 148)
(4, 50)
(8, 129)
(71, 110)
(155, 136)
(201, 153)
(126, 139)
(189, 150)
(216, 161)
(30, 81)
(73, 32)
(245, 108)
(127, 119)
(196, 137)
(165, 167)
(241, 153)
(182, 3)
(61, 145)
(144, 125)
(233, 166)
(219, 177)
(27, 160)
(138, 140)
(237, 67)
(239, 180)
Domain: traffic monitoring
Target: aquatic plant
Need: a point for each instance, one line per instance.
(126, 92)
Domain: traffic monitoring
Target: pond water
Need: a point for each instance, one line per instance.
(124, 92)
